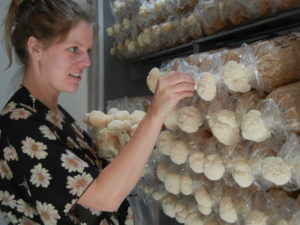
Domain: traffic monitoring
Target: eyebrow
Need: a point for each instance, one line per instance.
(79, 44)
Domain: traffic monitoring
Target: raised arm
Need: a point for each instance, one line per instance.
(118, 179)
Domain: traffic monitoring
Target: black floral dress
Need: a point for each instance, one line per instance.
(46, 164)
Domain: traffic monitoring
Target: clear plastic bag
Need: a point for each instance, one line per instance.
(144, 213)
(192, 25)
(241, 11)
(222, 120)
(287, 98)
(130, 103)
(264, 122)
(240, 72)
(210, 14)
(245, 103)
(122, 9)
(290, 152)
(285, 4)
(277, 61)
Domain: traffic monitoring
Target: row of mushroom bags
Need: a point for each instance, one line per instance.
(231, 153)
(142, 27)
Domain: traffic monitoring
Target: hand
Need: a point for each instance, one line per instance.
(170, 89)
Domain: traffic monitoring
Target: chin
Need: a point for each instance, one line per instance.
(71, 90)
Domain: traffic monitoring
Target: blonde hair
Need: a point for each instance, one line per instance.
(46, 20)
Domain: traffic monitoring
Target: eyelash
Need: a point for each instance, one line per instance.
(74, 50)
(90, 51)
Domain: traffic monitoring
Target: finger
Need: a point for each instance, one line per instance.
(184, 86)
(184, 94)
(177, 77)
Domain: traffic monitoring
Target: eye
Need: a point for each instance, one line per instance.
(90, 51)
(74, 50)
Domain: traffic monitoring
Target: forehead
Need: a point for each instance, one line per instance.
(81, 34)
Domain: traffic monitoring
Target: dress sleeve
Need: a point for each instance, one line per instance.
(52, 175)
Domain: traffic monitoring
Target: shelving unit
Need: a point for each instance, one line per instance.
(128, 77)
(263, 28)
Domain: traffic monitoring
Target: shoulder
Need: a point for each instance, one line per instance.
(23, 116)
(20, 106)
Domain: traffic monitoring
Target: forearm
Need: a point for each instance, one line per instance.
(118, 179)
(122, 174)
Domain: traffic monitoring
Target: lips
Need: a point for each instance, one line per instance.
(77, 75)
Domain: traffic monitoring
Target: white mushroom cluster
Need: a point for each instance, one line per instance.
(113, 130)
(165, 141)
(253, 127)
(213, 167)
(189, 119)
(204, 201)
(207, 86)
(276, 170)
(224, 126)
(241, 172)
(196, 161)
(227, 210)
(237, 77)
(256, 217)
(153, 77)
(211, 179)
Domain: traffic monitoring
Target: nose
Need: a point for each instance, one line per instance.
(85, 60)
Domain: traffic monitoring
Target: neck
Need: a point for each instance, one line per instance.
(42, 92)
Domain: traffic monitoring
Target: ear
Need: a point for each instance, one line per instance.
(34, 47)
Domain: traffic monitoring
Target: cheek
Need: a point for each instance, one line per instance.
(60, 65)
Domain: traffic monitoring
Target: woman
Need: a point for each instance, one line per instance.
(49, 172)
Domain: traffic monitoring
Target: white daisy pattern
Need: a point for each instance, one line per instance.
(69, 206)
(8, 108)
(82, 143)
(72, 163)
(8, 199)
(25, 209)
(10, 218)
(79, 183)
(48, 213)
(10, 153)
(95, 212)
(71, 143)
(5, 171)
(40, 176)
(47, 133)
(55, 118)
(74, 219)
(19, 113)
(26, 221)
(67, 209)
(34, 149)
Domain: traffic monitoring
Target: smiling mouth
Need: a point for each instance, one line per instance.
(75, 75)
